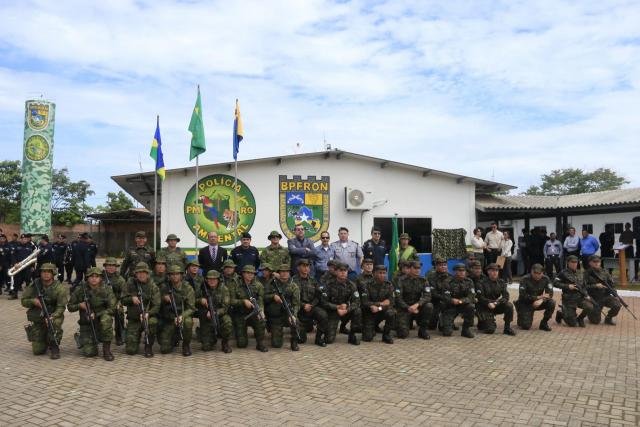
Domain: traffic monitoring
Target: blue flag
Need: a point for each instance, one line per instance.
(238, 131)
(156, 151)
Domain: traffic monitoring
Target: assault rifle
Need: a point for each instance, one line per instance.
(45, 311)
(174, 307)
(212, 310)
(256, 311)
(88, 312)
(143, 315)
(287, 308)
(608, 283)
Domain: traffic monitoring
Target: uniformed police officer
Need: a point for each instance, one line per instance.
(117, 284)
(20, 252)
(193, 276)
(274, 306)
(598, 281)
(574, 295)
(141, 253)
(275, 254)
(310, 310)
(140, 290)
(378, 305)
(159, 275)
(176, 311)
(218, 294)
(493, 298)
(458, 298)
(341, 301)
(247, 300)
(536, 293)
(413, 302)
(172, 253)
(437, 278)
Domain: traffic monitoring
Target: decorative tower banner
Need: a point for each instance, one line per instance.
(35, 209)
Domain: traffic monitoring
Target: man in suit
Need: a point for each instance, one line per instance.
(212, 256)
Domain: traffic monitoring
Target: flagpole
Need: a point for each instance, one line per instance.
(197, 203)
(155, 198)
(235, 205)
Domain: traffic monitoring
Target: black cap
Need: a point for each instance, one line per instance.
(246, 235)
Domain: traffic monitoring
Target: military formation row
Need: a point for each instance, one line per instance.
(164, 305)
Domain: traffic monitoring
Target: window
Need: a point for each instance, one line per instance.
(418, 228)
(588, 227)
(617, 227)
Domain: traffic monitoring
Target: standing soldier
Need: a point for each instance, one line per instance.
(310, 309)
(172, 253)
(247, 300)
(437, 278)
(536, 293)
(141, 253)
(20, 252)
(493, 298)
(406, 251)
(81, 260)
(574, 295)
(5, 262)
(45, 296)
(193, 277)
(92, 250)
(378, 305)
(97, 304)
(68, 259)
(176, 312)
(215, 293)
(274, 306)
(598, 282)
(59, 250)
(142, 298)
(159, 275)
(413, 302)
(342, 302)
(275, 254)
(117, 284)
(458, 298)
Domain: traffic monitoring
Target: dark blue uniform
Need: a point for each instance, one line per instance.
(248, 256)
(20, 252)
(59, 250)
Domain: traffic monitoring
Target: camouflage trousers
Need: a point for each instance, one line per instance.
(225, 329)
(104, 330)
(570, 307)
(135, 331)
(278, 324)
(487, 317)
(39, 335)
(240, 325)
(354, 316)
(404, 319)
(306, 319)
(371, 320)
(450, 313)
(434, 319)
(609, 301)
(168, 333)
(525, 312)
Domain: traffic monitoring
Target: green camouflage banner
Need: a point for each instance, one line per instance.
(37, 163)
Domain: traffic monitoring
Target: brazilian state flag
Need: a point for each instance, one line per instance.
(156, 151)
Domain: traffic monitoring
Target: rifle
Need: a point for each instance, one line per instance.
(608, 283)
(45, 311)
(174, 307)
(211, 309)
(256, 311)
(88, 312)
(119, 325)
(287, 309)
(582, 291)
(143, 314)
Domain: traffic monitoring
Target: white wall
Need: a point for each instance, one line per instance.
(409, 194)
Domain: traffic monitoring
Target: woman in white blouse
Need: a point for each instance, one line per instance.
(507, 253)
(478, 245)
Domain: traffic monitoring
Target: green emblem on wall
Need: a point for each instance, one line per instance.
(215, 209)
(36, 148)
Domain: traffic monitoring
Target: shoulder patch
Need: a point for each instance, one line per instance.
(356, 294)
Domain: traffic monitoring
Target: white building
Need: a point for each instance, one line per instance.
(324, 190)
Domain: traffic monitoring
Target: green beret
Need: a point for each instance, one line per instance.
(141, 267)
(141, 234)
(48, 266)
(459, 266)
(274, 233)
(94, 271)
(175, 268)
(172, 237)
(110, 261)
(229, 263)
(249, 269)
(493, 266)
(537, 268)
(213, 274)
(572, 258)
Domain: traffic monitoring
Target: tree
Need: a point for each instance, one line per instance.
(116, 202)
(561, 182)
(10, 183)
(68, 200)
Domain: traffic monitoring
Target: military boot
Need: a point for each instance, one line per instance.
(509, 331)
(609, 320)
(225, 346)
(422, 333)
(54, 352)
(544, 325)
(294, 344)
(353, 339)
(386, 334)
(559, 315)
(261, 347)
(466, 332)
(186, 349)
(148, 349)
(343, 328)
(580, 321)
(320, 341)
(106, 351)
(119, 341)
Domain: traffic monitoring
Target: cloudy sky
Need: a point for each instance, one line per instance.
(504, 90)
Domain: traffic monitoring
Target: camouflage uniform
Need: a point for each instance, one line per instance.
(409, 291)
(221, 302)
(174, 256)
(529, 291)
(573, 299)
(238, 294)
(275, 256)
(373, 294)
(184, 298)
(436, 281)
(133, 257)
(194, 281)
(117, 284)
(151, 299)
(276, 312)
(102, 302)
(601, 297)
(488, 291)
(55, 298)
(310, 292)
(462, 289)
(337, 293)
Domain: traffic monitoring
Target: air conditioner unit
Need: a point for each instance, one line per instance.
(357, 199)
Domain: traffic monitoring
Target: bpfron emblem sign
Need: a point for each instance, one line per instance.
(304, 202)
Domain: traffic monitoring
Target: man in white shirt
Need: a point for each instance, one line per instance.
(493, 239)
(348, 252)
(572, 244)
(552, 253)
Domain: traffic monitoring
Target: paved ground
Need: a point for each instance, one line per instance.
(565, 377)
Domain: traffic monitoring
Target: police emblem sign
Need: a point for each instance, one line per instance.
(304, 202)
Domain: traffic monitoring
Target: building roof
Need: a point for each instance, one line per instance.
(131, 215)
(611, 198)
(140, 185)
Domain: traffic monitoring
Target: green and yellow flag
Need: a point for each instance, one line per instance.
(196, 127)
(156, 151)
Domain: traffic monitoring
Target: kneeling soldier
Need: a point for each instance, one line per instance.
(536, 293)
(342, 302)
(413, 302)
(493, 298)
(377, 305)
(458, 298)
(310, 309)
(97, 304)
(213, 301)
(574, 295)
(598, 281)
(275, 306)
(436, 279)
(178, 306)
(247, 300)
(142, 299)
(45, 295)
(114, 280)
